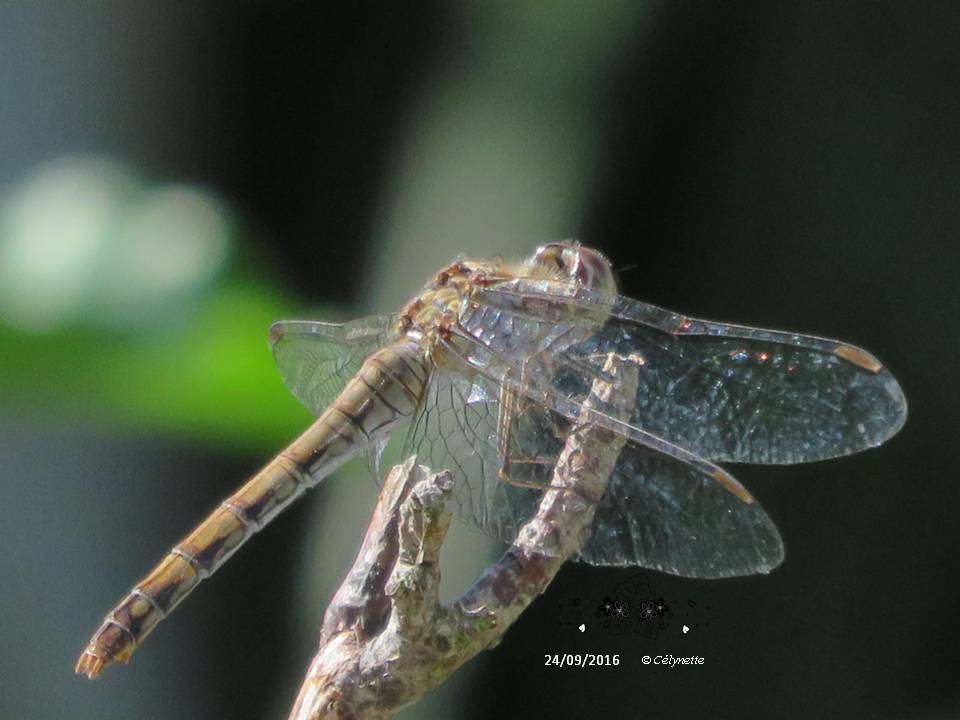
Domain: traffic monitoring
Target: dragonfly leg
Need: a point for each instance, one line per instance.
(508, 408)
(523, 401)
(532, 485)
(511, 406)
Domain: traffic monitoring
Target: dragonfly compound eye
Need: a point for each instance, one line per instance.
(550, 256)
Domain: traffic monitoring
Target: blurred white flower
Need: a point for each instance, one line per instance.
(84, 239)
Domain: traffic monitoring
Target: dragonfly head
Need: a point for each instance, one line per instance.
(588, 268)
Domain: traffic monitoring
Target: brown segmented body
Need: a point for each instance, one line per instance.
(382, 395)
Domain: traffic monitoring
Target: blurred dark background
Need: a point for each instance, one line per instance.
(175, 176)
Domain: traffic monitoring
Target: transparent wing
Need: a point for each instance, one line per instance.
(663, 508)
(316, 359)
(456, 429)
(722, 392)
(662, 513)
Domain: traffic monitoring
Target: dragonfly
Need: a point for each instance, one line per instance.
(489, 366)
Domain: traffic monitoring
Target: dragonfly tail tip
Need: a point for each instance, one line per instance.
(90, 665)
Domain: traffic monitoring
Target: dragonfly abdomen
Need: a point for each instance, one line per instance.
(383, 394)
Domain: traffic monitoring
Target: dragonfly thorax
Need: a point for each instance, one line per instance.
(437, 304)
(438, 301)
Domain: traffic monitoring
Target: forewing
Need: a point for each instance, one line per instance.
(722, 392)
(316, 359)
(663, 508)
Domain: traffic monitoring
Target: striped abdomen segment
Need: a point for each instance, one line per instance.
(381, 396)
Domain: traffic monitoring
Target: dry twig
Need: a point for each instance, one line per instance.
(386, 638)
